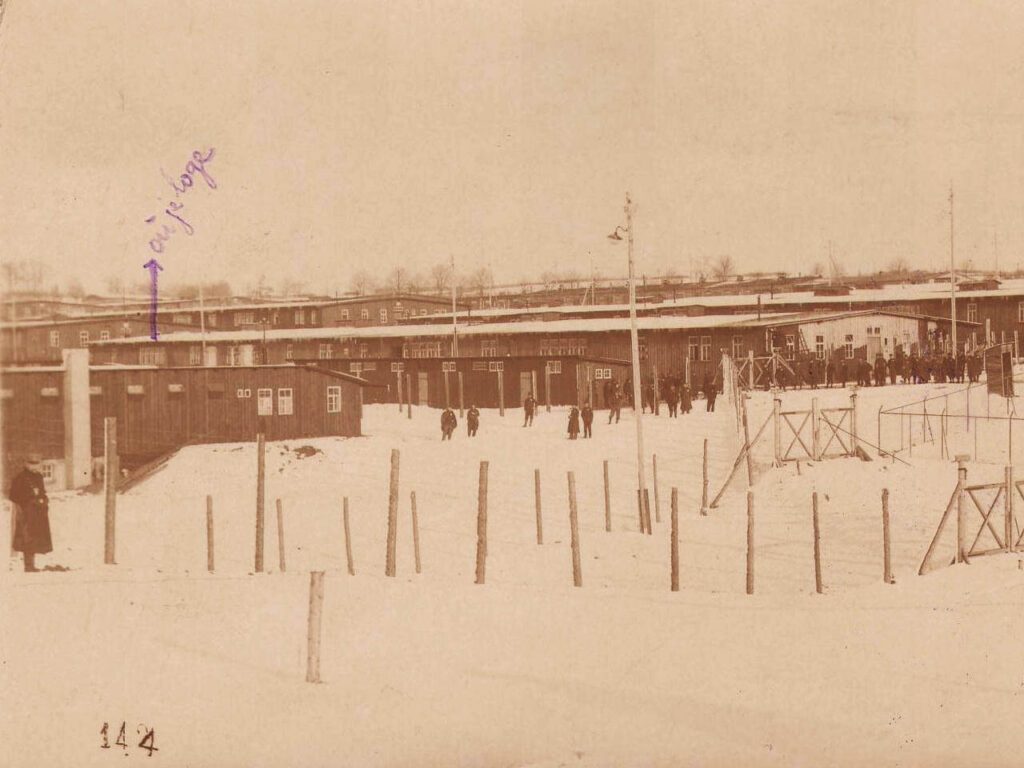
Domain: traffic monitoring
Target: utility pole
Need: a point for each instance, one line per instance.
(634, 339)
(952, 270)
(455, 321)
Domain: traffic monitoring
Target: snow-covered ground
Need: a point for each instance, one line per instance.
(431, 669)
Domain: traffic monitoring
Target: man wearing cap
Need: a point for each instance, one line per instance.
(31, 512)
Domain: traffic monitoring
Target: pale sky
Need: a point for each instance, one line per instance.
(368, 134)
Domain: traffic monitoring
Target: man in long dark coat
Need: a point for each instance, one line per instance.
(710, 392)
(685, 399)
(672, 400)
(614, 403)
(529, 409)
(574, 423)
(472, 420)
(448, 423)
(31, 511)
(587, 414)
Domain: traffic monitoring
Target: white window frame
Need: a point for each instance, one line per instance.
(397, 367)
(364, 314)
(195, 355)
(705, 348)
(489, 348)
(819, 346)
(325, 351)
(848, 345)
(289, 352)
(264, 402)
(104, 335)
(554, 366)
(344, 314)
(285, 401)
(693, 348)
(383, 314)
(83, 338)
(54, 338)
(972, 312)
(334, 399)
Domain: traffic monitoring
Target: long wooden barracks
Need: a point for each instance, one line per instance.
(687, 348)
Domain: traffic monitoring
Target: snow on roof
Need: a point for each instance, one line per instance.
(565, 326)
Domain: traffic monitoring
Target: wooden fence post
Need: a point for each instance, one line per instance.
(501, 392)
(704, 484)
(316, 604)
(408, 394)
(817, 544)
(398, 386)
(675, 539)
(481, 525)
(657, 495)
(655, 409)
(260, 481)
(750, 542)
(750, 369)
(886, 546)
(462, 405)
(536, 501)
(815, 432)
(854, 442)
(607, 500)
(574, 534)
(348, 538)
(447, 392)
(280, 536)
(961, 509)
(777, 434)
(547, 387)
(389, 566)
(746, 443)
(415, 531)
(111, 472)
(640, 508)
(1008, 509)
(647, 512)
(209, 534)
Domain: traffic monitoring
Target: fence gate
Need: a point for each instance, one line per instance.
(815, 434)
(984, 520)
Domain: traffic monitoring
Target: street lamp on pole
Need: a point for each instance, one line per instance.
(635, 346)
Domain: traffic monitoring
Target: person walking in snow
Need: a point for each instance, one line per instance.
(672, 400)
(529, 409)
(31, 512)
(614, 403)
(448, 423)
(587, 415)
(472, 421)
(574, 423)
(710, 392)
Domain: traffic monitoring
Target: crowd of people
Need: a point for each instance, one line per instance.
(898, 369)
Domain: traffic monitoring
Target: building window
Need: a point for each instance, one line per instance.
(355, 367)
(46, 469)
(212, 319)
(554, 366)
(422, 349)
(54, 338)
(284, 402)
(705, 348)
(195, 355)
(234, 356)
(448, 366)
(104, 335)
(344, 314)
(364, 314)
(326, 352)
(83, 338)
(245, 318)
(972, 313)
(383, 314)
(277, 319)
(737, 347)
(312, 317)
(1020, 311)
(489, 348)
(183, 318)
(694, 348)
(848, 344)
(288, 352)
(494, 366)
(300, 316)
(334, 399)
(369, 366)
(264, 402)
(364, 351)
(819, 347)
(397, 367)
(151, 356)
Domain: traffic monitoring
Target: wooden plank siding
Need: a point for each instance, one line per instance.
(152, 419)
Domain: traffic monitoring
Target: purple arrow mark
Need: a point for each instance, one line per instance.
(153, 266)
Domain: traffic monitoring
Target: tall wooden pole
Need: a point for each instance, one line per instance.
(536, 501)
(481, 525)
(110, 476)
(634, 341)
(209, 534)
(675, 540)
(704, 485)
(280, 536)
(817, 544)
(348, 538)
(390, 568)
(574, 534)
(952, 271)
(415, 531)
(462, 402)
(260, 481)
(750, 542)
(316, 603)
(607, 500)
(886, 545)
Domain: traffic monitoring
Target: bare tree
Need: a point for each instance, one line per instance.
(397, 280)
(362, 282)
(480, 280)
(898, 266)
(723, 267)
(414, 283)
(817, 270)
(441, 277)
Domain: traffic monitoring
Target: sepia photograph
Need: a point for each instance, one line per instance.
(511, 383)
